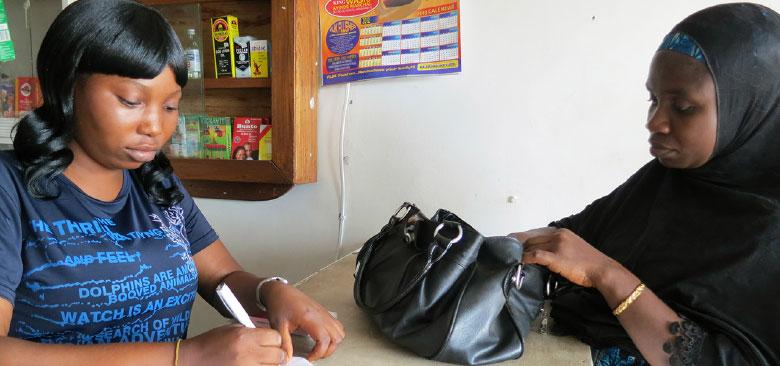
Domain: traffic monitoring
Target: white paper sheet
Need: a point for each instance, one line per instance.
(298, 361)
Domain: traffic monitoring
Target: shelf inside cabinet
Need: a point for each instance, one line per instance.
(232, 179)
(244, 171)
(289, 97)
(235, 190)
(231, 83)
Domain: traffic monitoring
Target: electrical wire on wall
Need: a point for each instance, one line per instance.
(26, 7)
(342, 163)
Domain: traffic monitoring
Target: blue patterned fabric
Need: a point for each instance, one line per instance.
(682, 43)
(614, 356)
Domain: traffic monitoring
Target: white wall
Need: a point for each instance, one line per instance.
(550, 108)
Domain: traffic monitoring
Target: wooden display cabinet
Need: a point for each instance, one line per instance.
(289, 96)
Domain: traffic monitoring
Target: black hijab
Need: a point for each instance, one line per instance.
(706, 240)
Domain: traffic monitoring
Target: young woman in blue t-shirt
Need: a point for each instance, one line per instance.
(103, 250)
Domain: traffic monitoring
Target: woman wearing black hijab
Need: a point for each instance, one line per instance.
(679, 264)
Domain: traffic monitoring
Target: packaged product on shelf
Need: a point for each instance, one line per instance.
(215, 137)
(7, 53)
(258, 52)
(7, 93)
(28, 95)
(224, 30)
(191, 144)
(175, 147)
(185, 140)
(241, 49)
(264, 140)
(246, 133)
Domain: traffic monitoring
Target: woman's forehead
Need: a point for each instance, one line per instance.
(677, 72)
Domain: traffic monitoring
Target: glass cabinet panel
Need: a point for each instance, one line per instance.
(27, 23)
(225, 117)
(185, 20)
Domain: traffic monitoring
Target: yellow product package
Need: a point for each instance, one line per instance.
(224, 30)
(259, 57)
(264, 148)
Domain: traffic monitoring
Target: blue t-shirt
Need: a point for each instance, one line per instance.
(83, 271)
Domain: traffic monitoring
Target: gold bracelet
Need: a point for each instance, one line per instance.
(629, 300)
(176, 357)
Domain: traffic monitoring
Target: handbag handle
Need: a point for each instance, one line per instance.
(440, 245)
(408, 209)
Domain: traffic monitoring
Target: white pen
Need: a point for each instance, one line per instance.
(233, 306)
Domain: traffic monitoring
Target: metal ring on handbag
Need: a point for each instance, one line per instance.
(453, 240)
(436, 235)
(409, 233)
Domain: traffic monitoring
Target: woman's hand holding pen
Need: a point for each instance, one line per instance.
(233, 345)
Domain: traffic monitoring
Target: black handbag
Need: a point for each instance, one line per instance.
(440, 289)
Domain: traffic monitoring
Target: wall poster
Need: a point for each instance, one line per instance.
(368, 39)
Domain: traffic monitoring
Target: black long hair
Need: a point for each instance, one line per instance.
(114, 37)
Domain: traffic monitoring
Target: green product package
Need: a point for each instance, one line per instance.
(215, 136)
(6, 44)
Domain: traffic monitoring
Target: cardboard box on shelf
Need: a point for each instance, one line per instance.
(264, 140)
(191, 143)
(259, 58)
(246, 133)
(215, 136)
(7, 98)
(27, 95)
(224, 30)
(185, 140)
(242, 56)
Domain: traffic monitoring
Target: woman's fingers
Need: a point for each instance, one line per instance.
(335, 339)
(338, 336)
(271, 356)
(541, 257)
(331, 348)
(340, 327)
(547, 243)
(267, 337)
(286, 339)
(329, 335)
(523, 236)
(320, 347)
(335, 327)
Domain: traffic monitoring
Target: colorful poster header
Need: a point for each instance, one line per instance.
(368, 39)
